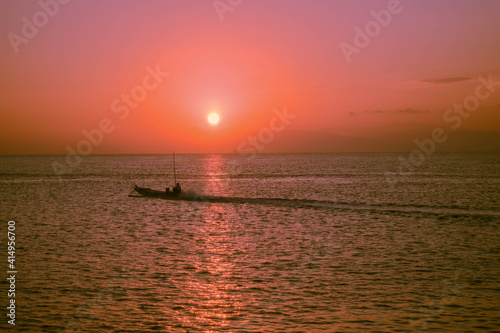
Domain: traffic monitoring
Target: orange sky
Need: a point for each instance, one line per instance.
(263, 55)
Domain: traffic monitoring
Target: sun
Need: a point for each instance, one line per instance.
(213, 118)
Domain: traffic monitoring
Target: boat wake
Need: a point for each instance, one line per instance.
(302, 203)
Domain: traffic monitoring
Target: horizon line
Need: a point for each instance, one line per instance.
(265, 153)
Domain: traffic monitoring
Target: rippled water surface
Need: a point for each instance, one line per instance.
(340, 251)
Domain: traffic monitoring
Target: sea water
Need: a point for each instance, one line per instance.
(352, 244)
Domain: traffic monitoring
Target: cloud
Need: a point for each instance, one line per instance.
(440, 81)
(397, 111)
(374, 111)
(447, 80)
(410, 110)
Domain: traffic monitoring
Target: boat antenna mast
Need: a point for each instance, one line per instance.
(175, 176)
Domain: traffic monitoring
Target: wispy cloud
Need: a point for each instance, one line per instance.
(410, 110)
(447, 80)
(397, 111)
(439, 81)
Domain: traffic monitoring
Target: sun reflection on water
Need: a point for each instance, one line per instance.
(213, 288)
(216, 176)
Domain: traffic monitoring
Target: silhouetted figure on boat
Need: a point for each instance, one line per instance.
(177, 188)
(167, 190)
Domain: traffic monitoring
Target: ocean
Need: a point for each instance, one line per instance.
(315, 243)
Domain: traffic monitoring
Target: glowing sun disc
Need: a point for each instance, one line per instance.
(213, 118)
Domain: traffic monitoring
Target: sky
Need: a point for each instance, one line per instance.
(135, 76)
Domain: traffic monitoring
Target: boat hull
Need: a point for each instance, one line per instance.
(149, 193)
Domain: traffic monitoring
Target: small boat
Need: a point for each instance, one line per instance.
(176, 192)
(147, 192)
(167, 194)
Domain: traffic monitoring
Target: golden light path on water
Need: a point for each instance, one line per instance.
(217, 299)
